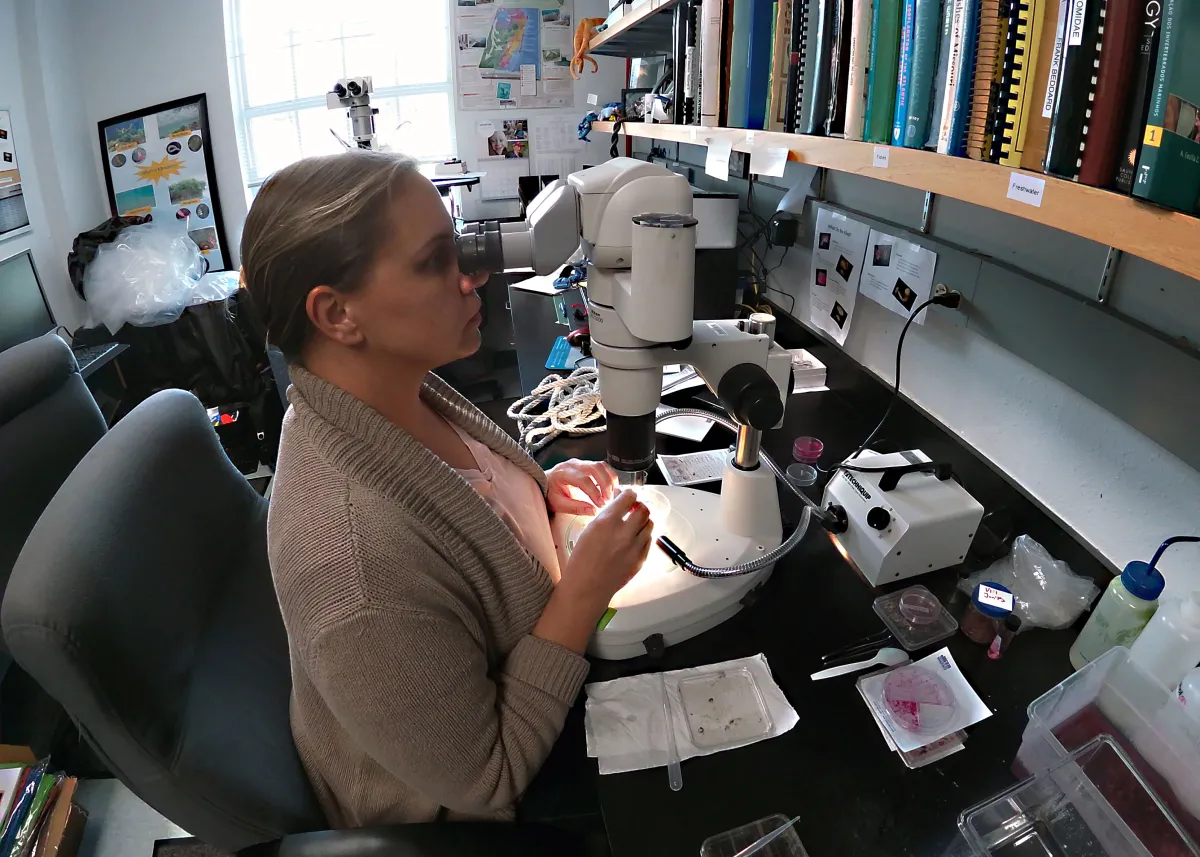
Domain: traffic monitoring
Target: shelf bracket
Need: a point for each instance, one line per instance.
(926, 210)
(1111, 263)
(821, 171)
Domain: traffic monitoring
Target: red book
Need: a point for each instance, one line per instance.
(1109, 114)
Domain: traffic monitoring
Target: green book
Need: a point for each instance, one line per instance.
(881, 78)
(926, 44)
(1169, 166)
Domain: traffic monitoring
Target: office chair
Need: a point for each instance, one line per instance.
(143, 602)
(48, 421)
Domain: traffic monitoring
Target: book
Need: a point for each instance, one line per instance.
(62, 833)
(881, 78)
(1019, 72)
(985, 90)
(691, 65)
(1139, 101)
(726, 61)
(1169, 164)
(839, 71)
(739, 64)
(942, 96)
(27, 794)
(926, 40)
(781, 62)
(759, 51)
(43, 799)
(952, 134)
(860, 55)
(711, 14)
(1076, 88)
(1045, 84)
(903, 72)
(1110, 111)
(795, 64)
(813, 12)
(816, 100)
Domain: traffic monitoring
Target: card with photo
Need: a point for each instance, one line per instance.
(839, 253)
(904, 294)
(844, 268)
(839, 314)
(882, 256)
(823, 240)
(900, 276)
(822, 277)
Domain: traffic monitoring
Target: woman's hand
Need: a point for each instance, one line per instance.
(594, 479)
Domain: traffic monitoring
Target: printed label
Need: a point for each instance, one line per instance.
(882, 155)
(750, 138)
(1075, 25)
(1153, 136)
(593, 98)
(1055, 61)
(1026, 189)
(995, 597)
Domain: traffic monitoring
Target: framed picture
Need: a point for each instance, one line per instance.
(159, 161)
(634, 102)
(14, 218)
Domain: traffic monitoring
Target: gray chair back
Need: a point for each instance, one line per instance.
(143, 603)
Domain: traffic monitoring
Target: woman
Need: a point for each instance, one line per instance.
(435, 650)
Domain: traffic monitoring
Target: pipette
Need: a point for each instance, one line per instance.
(755, 847)
(674, 772)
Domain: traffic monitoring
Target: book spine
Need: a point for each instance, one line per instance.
(1156, 116)
(796, 65)
(839, 78)
(926, 33)
(1023, 97)
(872, 69)
(759, 50)
(710, 60)
(1077, 88)
(989, 59)
(860, 52)
(1045, 82)
(1109, 114)
(818, 97)
(725, 73)
(1002, 128)
(940, 87)
(960, 118)
(904, 72)
(810, 60)
(954, 59)
(1139, 102)
(691, 68)
(777, 115)
(884, 67)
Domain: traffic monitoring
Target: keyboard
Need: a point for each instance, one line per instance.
(86, 355)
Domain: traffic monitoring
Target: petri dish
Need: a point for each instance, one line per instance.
(807, 450)
(724, 708)
(915, 617)
(801, 475)
(918, 701)
(733, 842)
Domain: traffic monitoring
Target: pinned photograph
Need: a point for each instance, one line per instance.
(188, 191)
(206, 239)
(844, 268)
(127, 135)
(839, 314)
(179, 121)
(195, 142)
(119, 160)
(904, 294)
(822, 277)
(823, 240)
(174, 147)
(137, 201)
(139, 155)
(882, 257)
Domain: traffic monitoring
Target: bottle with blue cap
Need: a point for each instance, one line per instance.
(1124, 610)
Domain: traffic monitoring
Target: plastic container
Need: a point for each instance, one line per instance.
(915, 617)
(1113, 696)
(732, 842)
(981, 622)
(918, 701)
(807, 450)
(1095, 803)
(724, 708)
(801, 475)
(1169, 647)
(1120, 614)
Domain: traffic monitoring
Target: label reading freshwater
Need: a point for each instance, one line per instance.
(995, 597)
(1026, 189)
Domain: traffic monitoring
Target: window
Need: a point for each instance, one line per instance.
(285, 55)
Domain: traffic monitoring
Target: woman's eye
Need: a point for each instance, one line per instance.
(439, 260)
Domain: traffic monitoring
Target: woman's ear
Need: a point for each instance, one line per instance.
(327, 310)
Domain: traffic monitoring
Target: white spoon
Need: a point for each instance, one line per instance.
(885, 657)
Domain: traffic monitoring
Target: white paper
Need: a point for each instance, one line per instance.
(969, 708)
(685, 379)
(768, 162)
(717, 162)
(686, 428)
(898, 274)
(882, 157)
(1026, 189)
(693, 468)
(837, 263)
(529, 79)
(593, 99)
(995, 597)
(501, 181)
(554, 134)
(538, 285)
(627, 727)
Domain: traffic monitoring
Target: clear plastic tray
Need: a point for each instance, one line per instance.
(916, 617)
(731, 842)
(724, 708)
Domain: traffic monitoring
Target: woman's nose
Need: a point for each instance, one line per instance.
(471, 282)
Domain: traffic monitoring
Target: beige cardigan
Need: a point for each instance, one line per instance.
(409, 606)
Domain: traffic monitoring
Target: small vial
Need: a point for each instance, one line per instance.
(1004, 637)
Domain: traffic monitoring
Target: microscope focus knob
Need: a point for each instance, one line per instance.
(752, 396)
(878, 518)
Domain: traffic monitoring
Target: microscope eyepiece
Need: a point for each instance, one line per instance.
(480, 248)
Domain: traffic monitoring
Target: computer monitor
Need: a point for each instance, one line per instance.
(24, 312)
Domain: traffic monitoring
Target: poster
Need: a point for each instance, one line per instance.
(898, 274)
(837, 263)
(557, 149)
(14, 218)
(157, 161)
(514, 53)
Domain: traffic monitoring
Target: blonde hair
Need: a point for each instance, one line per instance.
(318, 222)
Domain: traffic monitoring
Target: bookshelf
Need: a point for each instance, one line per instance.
(1167, 238)
(642, 32)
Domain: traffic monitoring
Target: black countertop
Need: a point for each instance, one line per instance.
(854, 796)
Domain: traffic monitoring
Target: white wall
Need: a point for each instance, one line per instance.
(132, 54)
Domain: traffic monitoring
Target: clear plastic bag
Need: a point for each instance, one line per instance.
(1046, 593)
(147, 276)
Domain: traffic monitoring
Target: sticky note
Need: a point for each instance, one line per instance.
(717, 162)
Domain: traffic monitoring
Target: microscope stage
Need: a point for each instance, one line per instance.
(664, 598)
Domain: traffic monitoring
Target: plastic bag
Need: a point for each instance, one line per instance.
(1046, 593)
(145, 277)
(214, 287)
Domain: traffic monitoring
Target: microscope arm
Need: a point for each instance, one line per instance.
(729, 359)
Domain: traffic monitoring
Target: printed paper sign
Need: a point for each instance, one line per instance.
(593, 98)
(837, 263)
(898, 274)
(717, 162)
(995, 597)
(882, 156)
(1026, 189)
(768, 162)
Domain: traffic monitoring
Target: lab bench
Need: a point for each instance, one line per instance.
(834, 770)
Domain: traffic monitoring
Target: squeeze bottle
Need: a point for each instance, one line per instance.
(1169, 648)
(1122, 612)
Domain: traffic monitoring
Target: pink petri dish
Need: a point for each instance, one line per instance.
(918, 701)
(807, 450)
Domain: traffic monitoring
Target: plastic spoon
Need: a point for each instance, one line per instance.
(885, 657)
(674, 772)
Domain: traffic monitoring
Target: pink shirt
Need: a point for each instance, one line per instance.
(515, 497)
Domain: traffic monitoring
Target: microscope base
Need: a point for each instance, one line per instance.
(664, 599)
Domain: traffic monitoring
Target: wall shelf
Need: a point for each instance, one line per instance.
(1167, 238)
(642, 32)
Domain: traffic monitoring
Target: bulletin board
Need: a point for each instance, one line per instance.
(514, 53)
(158, 161)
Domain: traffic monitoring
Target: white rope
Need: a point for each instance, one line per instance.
(570, 404)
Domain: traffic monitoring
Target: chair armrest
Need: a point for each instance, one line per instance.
(450, 839)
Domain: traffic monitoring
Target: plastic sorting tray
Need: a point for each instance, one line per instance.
(1094, 803)
(724, 708)
(915, 617)
(731, 842)
(1113, 696)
